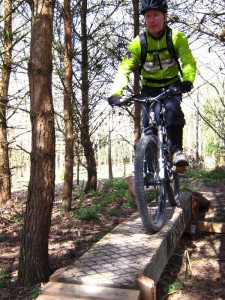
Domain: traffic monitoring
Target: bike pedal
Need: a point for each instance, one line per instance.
(182, 169)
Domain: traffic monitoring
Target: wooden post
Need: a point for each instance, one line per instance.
(130, 181)
(195, 208)
(147, 288)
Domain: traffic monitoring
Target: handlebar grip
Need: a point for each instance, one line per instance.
(125, 100)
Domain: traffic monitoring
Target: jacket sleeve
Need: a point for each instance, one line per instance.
(188, 61)
(127, 65)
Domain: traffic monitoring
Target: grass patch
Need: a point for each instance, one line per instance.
(130, 203)
(116, 183)
(117, 212)
(97, 237)
(114, 194)
(216, 175)
(88, 213)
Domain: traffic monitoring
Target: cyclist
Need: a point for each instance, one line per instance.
(159, 71)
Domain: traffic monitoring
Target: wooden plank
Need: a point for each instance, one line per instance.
(49, 297)
(203, 226)
(88, 292)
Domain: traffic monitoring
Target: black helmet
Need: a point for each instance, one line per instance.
(160, 5)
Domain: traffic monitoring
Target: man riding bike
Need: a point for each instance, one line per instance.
(160, 70)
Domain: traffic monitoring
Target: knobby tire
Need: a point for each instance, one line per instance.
(151, 192)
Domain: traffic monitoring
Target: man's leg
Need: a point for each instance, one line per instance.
(146, 126)
(175, 122)
(176, 136)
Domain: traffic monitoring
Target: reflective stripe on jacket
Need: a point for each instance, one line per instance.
(160, 68)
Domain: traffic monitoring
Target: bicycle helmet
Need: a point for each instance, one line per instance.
(160, 5)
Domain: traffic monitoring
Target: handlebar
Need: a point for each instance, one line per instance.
(133, 98)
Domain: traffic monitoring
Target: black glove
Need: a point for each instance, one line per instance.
(186, 86)
(114, 100)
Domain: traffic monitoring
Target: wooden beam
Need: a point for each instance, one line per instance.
(194, 208)
(204, 226)
(58, 290)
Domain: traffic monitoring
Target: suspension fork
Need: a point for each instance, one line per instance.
(161, 159)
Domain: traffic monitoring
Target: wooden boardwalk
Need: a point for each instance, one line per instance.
(109, 270)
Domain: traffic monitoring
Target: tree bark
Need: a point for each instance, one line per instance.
(34, 263)
(85, 129)
(5, 180)
(68, 111)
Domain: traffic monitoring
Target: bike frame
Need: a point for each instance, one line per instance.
(161, 126)
(153, 167)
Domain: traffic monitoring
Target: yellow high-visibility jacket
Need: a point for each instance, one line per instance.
(160, 69)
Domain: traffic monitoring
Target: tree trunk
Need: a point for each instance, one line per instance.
(68, 111)
(5, 183)
(85, 130)
(137, 106)
(34, 263)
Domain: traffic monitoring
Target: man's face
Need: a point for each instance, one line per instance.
(154, 20)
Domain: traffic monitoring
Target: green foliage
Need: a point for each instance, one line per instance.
(116, 183)
(175, 286)
(88, 213)
(17, 218)
(152, 195)
(184, 185)
(215, 219)
(92, 193)
(35, 293)
(3, 276)
(130, 203)
(97, 237)
(93, 204)
(2, 238)
(214, 176)
(172, 287)
(117, 212)
(212, 147)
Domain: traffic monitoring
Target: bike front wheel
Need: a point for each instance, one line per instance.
(150, 190)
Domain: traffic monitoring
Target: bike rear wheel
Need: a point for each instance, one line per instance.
(150, 190)
(173, 189)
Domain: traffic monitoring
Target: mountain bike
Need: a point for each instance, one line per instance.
(156, 178)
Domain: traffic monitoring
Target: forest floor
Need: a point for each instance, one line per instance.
(196, 271)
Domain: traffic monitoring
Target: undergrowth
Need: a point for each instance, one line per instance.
(216, 175)
(113, 199)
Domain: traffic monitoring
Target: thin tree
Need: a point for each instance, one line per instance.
(5, 183)
(85, 110)
(33, 261)
(68, 110)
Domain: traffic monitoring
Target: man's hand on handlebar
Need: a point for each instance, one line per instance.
(182, 87)
(114, 100)
(186, 86)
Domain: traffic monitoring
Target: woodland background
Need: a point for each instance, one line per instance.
(58, 61)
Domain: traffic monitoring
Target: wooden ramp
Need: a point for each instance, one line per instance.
(109, 270)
